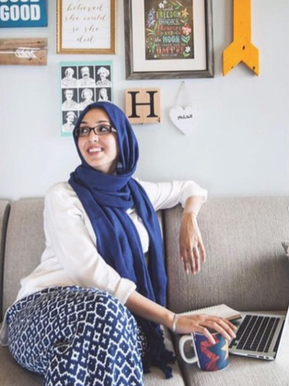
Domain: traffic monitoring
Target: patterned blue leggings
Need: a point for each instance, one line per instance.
(77, 337)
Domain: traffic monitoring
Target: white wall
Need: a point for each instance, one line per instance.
(239, 147)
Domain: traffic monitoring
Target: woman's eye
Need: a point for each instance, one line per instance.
(103, 129)
(84, 130)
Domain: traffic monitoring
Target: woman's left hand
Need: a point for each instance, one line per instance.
(192, 250)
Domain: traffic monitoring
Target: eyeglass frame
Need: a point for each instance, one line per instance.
(112, 130)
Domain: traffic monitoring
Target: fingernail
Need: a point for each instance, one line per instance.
(187, 271)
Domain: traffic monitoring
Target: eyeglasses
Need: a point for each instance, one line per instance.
(98, 130)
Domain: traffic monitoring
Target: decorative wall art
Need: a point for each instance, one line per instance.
(168, 39)
(24, 52)
(184, 117)
(86, 26)
(242, 49)
(142, 105)
(23, 13)
(81, 84)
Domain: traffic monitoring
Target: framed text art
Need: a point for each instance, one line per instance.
(86, 26)
(168, 39)
(80, 85)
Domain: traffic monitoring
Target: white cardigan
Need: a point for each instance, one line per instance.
(71, 257)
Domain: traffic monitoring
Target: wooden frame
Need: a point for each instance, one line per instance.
(139, 66)
(82, 27)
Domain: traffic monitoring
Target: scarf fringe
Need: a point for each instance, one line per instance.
(158, 355)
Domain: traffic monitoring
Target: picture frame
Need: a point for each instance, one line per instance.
(82, 83)
(168, 39)
(86, 26)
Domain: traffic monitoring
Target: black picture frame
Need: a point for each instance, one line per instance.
(132, 73)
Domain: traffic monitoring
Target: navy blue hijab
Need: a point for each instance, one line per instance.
(106, 198)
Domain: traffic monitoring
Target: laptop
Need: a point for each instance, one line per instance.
(259, 335)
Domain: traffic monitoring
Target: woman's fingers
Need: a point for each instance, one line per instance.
(205, 324)
(191, 259)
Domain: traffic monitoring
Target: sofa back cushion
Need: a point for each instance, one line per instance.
(4, 212)
(246, 266)
(24, 245)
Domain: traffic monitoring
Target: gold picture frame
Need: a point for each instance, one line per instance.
(86, 27)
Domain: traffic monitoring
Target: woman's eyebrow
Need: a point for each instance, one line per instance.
(102, 121)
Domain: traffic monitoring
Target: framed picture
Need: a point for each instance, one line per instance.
(168, 39)
(86, 26)
(81, 84)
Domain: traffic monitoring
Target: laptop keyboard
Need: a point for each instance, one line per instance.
(255, 333)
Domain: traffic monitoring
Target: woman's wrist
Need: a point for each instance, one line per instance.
(174, 325)
(190, 213)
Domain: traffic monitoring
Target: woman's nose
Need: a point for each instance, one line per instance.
(93, 137)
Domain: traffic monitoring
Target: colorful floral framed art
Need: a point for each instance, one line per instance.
(168, 39)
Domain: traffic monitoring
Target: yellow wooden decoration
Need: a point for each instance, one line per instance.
(242, 49)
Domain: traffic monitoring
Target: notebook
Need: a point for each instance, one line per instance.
(220, 310)
(259, 335)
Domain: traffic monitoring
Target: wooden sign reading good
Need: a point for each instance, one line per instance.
(142, 105)
(26, 52)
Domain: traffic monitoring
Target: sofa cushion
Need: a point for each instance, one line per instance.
(4, 212)
(11, 374)
(24, 245)
(246, 266)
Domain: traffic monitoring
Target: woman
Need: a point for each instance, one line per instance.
(69, 80)
(103, 95)
(91, 312)
(87, 98)
(103, 74)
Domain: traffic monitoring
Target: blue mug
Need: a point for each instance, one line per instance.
(208, 356)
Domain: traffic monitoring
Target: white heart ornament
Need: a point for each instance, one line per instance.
(183, 118)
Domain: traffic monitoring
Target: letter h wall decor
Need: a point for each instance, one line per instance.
(142, 105)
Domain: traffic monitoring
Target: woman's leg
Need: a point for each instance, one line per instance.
(76, 336)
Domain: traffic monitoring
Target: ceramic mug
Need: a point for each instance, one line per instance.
(208, 356)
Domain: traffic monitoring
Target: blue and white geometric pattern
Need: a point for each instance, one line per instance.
(77, 337)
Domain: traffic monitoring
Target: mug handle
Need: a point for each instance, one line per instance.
(182, 343)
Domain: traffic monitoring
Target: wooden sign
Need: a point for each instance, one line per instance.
(25, 52)
(242, 49)
(23, 13)
(142, 105)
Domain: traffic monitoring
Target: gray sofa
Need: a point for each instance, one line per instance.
(246, 269)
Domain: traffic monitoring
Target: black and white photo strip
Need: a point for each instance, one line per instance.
(82, 84)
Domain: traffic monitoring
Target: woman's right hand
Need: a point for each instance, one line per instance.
(203, 324)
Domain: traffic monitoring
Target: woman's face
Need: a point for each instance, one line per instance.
(87, 95)
(103, 92)
(100, 152)
(69, 72)
(68, 94)
(102, 74)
